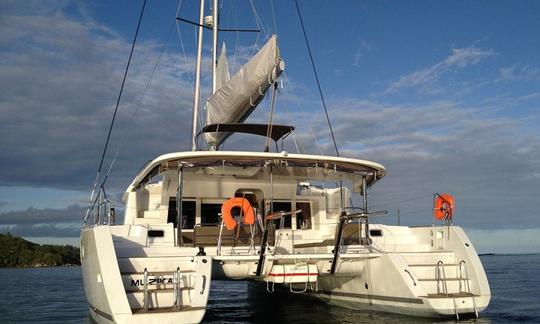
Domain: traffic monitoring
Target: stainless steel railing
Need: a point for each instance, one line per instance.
(100, 210)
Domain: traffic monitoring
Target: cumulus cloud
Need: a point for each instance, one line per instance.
(60, 76)
(46, 222)
(459, 59)
(40, 216)
(34, 222)
(489, 163)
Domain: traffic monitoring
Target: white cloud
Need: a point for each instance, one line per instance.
(363, 49)
(533, 95)
(488, 163)
(60, 76)
(458, 60)
(518, 73)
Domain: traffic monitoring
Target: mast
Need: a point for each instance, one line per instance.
(215, 29)
(197, 79)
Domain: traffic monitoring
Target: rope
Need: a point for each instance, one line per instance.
(316, 77)
(118, 101)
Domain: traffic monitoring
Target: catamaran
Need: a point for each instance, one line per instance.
(301, 221)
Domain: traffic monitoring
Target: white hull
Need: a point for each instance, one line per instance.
(396, 276)
(113, 274)
(405, 280)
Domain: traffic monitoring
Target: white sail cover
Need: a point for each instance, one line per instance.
(222, 72)
(237, 98)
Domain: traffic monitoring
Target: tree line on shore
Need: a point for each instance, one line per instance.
(16, 252)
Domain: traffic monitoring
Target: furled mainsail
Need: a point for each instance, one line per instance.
(222, 72)
(237, 98)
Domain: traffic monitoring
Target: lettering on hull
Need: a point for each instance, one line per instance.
(152, 281)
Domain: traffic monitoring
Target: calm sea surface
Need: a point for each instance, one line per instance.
(54, 295)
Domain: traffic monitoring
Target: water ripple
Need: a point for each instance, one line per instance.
(53, 295)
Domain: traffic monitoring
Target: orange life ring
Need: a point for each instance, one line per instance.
(444, 206)
(247, 212)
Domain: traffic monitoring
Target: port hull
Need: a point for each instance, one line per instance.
(112, 300)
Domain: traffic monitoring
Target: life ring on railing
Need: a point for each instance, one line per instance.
(444, 206)
(248, 215)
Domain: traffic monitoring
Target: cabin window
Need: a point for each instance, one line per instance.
(285, 207)
(375, 232)
(303, 219)
(152, 177)
(210, 214)
(189, 208)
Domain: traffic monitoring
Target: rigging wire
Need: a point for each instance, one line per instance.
(270, 118)
(237, 40)
(259, 26)
(199, 118)
(117, 103)
(258, 18)
(402, 201)
(295, 143)
(182, 41)
(123, 141)
(316, 77)
(293, 94)
(273, 16)
(418, 211)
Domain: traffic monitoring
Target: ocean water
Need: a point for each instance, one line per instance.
(54, 295)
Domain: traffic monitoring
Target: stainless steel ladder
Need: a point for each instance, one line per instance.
(442, 287)
(177, 293)
(464, 277)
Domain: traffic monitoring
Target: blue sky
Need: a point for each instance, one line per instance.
(445, 94)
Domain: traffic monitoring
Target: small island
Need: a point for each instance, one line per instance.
(16, 252)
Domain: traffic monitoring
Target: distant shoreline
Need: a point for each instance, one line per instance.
(16, 252)
(508, 254)
(43, 266)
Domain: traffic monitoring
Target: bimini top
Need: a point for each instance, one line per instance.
(276, 132)
(194, 159)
